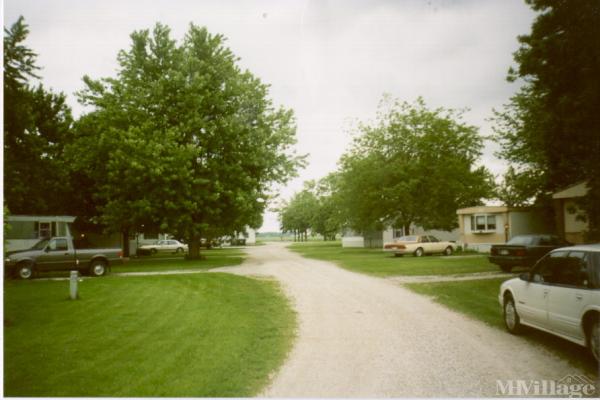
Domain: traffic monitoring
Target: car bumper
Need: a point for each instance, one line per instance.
(397, 251)
(510, 260)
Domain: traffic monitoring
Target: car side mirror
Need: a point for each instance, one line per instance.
(525, 276)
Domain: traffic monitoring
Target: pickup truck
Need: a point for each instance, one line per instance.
(524, 250)
(59, 254)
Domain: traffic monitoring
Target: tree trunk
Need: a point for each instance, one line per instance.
(125, 240)
(194, 248)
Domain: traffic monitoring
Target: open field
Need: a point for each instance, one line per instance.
(479, 299)
(201, 335)
(378, 263)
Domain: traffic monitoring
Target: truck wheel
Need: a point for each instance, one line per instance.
(98, 268)
(506, 268)
(25, 270)
(418, 252)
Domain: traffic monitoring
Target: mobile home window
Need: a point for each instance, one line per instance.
(483, 222)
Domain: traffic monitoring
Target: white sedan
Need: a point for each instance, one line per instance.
(560, 295)
(419, 245)
(165, 246)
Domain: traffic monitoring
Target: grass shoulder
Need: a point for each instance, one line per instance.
(201, 335)
(376, 262)
(479, 300)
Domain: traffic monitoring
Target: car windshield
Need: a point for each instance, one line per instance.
(407, 239)
(520, 240)
(40, 245)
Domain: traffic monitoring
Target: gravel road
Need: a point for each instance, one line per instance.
(361, 336)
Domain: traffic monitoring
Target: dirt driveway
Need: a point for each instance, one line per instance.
(361, 336)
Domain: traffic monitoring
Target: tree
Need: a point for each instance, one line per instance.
(549, 130)
(182, 139)
(297, 216)
(37, 124)
(414, 165)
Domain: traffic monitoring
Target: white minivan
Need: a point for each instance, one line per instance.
(560, 295)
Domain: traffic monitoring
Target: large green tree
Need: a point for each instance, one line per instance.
(550, 131)
(413, 165)
(182, 138)
(37, 124)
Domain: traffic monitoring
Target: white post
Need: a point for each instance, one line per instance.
(73, 285)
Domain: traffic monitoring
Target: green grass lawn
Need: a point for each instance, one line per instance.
(377, 262)
(212, 258)
(201, 335)
(479, 299)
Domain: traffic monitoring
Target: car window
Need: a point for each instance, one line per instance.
(582, 268)
(407, 239)
(58, 245)
(432, 239)
(544, 270)
(558, 268)
(424, 239)
(520, 240)
(546, 241)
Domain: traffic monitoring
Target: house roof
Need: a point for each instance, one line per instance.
(489, 209)
(41, 218)
(577, 190)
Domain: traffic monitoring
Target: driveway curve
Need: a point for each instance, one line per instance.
(361, 336)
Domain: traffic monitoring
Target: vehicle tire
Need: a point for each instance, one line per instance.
(448, 251)
(506, 268)
(179, 250)
(97, 268)
(511, 317)
(418, 252)
(24, 270)
(593, 338)
(153, 251)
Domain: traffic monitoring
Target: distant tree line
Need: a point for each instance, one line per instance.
(416, 165)
(181, 140)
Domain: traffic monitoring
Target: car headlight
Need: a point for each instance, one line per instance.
(7, 259)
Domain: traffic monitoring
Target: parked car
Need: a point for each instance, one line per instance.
(419, 245)
(59, 254)
(164, 246)
(560, 295)
(524, 250)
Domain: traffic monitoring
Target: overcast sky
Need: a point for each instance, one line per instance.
(330, 61)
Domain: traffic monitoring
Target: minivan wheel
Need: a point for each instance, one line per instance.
(511, 317)
(418, 252)
(25, 270)
(594, 340)
(98, 268)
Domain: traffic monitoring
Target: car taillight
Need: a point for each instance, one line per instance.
(494, 251)
(120, 254)
(520, 253)
(401, 246)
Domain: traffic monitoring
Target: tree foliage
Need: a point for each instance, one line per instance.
(550, 129)
(413, 165)
(37, 124)
(315, 208)
(182, 139)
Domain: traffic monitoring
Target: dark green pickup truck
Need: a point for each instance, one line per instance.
(59, 254)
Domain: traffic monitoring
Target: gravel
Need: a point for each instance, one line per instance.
(361, 336)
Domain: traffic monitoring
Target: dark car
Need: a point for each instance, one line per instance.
(524, 250)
